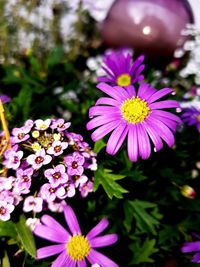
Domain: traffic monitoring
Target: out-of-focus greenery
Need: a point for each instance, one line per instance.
(143, 200)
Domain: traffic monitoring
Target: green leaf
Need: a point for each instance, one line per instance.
(107, 180)
(98, 146)
(8, 229)
(26, 237)
(6, 261)
(143, 251)
(145, 213)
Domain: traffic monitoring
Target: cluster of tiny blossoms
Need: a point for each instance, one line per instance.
(45, 164)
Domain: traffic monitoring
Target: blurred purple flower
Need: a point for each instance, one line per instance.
(74, 248)
(137, 115)
(120, 70)
(192, 247)
(5, 99)
(191, 116)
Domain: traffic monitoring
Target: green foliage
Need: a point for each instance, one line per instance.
(26, 237)
(107, 179)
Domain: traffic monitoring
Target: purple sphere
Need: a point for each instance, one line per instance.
(150, 27)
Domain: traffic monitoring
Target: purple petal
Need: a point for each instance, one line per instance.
(137, 62)
(162, 130)
(166, 114)
(104, 130)
(160, 93)
(82, 263)
(116, 139)
(102, 225)
(107, 101)
(51, 234)
(169, 123)
(71, 220)
(164, 104)
(103, 261)
(131, 90)
(102, 110)
(157, 141)
(196, 258)
(103, 241)
(191, 246)
(143, 142)
(100, 120)
(52, 223)
(133, 143)
(114, 92)
(145, 91)
(50, 251)
(62, 260)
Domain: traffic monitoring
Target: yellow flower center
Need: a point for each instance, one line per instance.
(78, 247)
(124, 79)
(134, 110)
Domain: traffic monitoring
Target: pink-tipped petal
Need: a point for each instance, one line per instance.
(162, 130)
(62, 260)
(133, 143)
(116, 139)
(82, 263)
(104, 130)
(51, 234)
(50, 251)
(131, 91)
(102, 110)
(160, 93)
(143, 142)
(71, 220)
(52, 223)
(157, 141)
(164, 104)
(100, 227)
(103, 241)
(107, 101)
(103, 261)
(100, 120)
(111, 91)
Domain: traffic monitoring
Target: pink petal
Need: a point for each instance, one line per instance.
(133, 143)
(103, 241)
(63, 260)
(51, 234)
(143, 142)
(157, 141)
(103, 261)
(82, 263)
(100, 120)
(102, 225)
(71, 220)
(107, 101)
(145, 91)
(131, 91)
(103, 110)
(166, 114)
(116, 139)
(50, 251)
(160, 93)
(104, 130)
(111, 91)
(164, 104)
(52, 223)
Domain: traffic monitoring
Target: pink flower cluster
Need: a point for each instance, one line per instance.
(46, 164)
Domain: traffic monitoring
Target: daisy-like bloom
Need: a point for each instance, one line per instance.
(74, 248)
(121, 70)
(136, 115)
(191, 116)
(193, 247)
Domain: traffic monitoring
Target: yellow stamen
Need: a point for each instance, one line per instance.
(124, 79)
(35, 134)
(57, 137)
(134, 110)
(78, 247)
(36, 146)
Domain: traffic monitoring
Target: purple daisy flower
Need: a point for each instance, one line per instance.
(120, 70)
(191, 116)
(136, 115)
(192, 247)
(74, 248)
